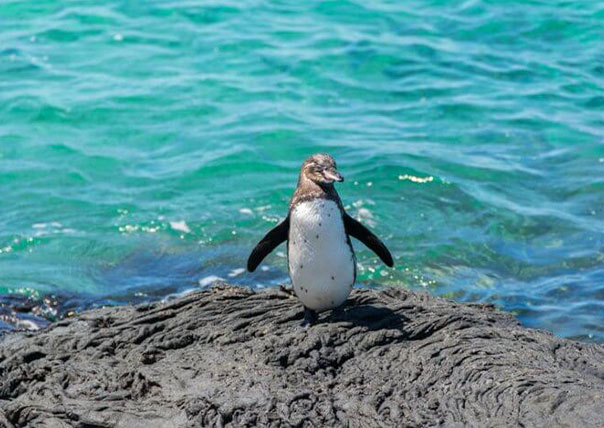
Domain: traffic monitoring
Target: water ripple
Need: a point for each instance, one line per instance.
(145, 147)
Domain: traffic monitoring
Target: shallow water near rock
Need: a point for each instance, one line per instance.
(146, 147)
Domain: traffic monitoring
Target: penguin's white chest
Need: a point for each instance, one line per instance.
(321, 263)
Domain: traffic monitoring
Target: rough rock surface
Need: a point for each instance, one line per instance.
(233, 357)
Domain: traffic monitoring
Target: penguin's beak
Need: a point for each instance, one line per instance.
(333, 175)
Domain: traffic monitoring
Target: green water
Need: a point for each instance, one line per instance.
(146, 146)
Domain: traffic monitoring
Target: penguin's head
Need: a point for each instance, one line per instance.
(321, 169)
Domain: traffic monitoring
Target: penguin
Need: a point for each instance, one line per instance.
(321, 259)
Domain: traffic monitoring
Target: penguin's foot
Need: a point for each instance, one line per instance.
(338, 313)
(310, 317)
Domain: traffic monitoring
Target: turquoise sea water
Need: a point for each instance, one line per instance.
(145, 147)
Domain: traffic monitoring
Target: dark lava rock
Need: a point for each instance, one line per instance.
(233, 357)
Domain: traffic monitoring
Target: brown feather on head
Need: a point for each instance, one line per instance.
(321, 169)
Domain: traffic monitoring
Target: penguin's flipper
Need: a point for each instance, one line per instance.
(271, 240)
(357, 230)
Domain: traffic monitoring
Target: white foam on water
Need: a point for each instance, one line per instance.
(180, 226)
(366, 216)
(209, 280)
(236, 272)
(174, 296)
(27, 324)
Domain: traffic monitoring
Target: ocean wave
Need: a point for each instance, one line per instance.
(165, 139)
